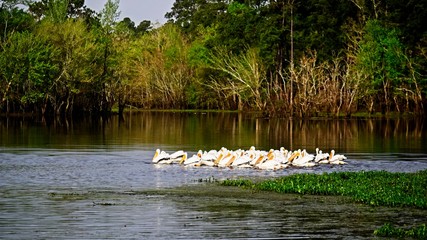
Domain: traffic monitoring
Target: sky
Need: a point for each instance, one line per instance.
(137, 10)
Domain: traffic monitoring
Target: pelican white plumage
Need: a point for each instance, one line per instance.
(252, 158)
(227, 160)
(222, 153)
(336, 158)
(285, 156)
(210, 156)
(303, 159)
(245, 159)
(160, 156)
(191, 160)
(206, 158)
(272, 164)
(177, 156)
(260, 156)
(321, 156)
(294, 155)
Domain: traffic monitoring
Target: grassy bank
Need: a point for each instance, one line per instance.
(377, 188)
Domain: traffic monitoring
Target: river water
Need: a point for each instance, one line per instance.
(93, 178)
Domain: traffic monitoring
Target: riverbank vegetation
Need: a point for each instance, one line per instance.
(377, 188)
(388, 230)
(287, 58)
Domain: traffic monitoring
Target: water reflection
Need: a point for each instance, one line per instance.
(193, 131)
(52, 173)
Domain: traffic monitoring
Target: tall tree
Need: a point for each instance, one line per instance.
(72, 9)
(109, 16)
(13, 18)
(28, 67)
(381, 57)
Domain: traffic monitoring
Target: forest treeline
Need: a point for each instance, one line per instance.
(286, 57)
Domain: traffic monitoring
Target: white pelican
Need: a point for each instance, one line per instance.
(270, 154)
(284, 157)
(212, 155)
(205, 163)
(252, 158)
(222, 153)
(251, 152)
(260, 158)
(271, 162)
(177, 156)
(192, 160)
(321, 156)
(227, 160)
(160, 156)
(270, 165)
(336, 159)
(294, 154)
(245, 159)
(303, 159)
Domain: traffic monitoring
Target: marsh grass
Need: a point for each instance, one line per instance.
(376, 188)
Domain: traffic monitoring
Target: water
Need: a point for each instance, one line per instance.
(93, 179)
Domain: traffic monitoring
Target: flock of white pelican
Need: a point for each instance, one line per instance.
(252, 158)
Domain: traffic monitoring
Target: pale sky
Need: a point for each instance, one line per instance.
(137, 10)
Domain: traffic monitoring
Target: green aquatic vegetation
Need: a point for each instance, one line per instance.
(68, 196)
(236, 182)
(377, 188)
(388, 230)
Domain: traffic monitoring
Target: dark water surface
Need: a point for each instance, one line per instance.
(93, 178)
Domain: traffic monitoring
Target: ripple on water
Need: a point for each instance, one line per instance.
(50, 194)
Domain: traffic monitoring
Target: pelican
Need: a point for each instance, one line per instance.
(270, 165)
(227, 160)
(303, 159)
(284, 157)
(336, 159)
(251, 158)
(258, 158)
(222, 153)
(251, 151)
(271, 162)
(271, 155)
(160, 156)
(192, 160)
(321, 156)
(295, 154)
(245, 159)
(205, 163)
(208, 158)
(177, 156)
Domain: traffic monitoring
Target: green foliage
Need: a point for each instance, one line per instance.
(198, 55)
(163, 66)
(13, 19)
(28, 68)
(381, 55)
(93, 63)
(388, 230)
(373, 188)
(237, 183)
(57, 10)
(109, 15)
(77, 59)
